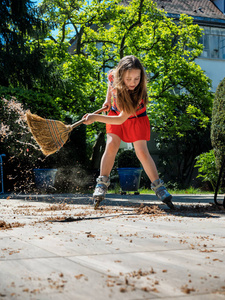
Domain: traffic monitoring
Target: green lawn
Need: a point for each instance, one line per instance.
(189, 190)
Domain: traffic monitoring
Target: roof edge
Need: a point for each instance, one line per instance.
(201, 20)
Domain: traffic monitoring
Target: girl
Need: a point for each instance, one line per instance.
(127, 120)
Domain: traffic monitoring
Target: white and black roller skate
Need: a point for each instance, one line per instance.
(101, 188)
(162, 193)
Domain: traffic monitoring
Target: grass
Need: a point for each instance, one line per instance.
(191, 190)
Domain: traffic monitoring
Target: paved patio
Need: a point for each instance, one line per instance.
(133, 247)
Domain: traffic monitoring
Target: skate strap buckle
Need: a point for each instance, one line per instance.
(155, 188)
(101, 183)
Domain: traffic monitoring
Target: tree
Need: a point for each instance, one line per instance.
(81, 72)
(103, 32)
(179, 91)
(20, 64)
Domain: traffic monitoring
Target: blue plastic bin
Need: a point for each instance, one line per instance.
(44, 178)
(129, 178)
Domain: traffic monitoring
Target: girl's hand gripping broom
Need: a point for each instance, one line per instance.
(51, 135)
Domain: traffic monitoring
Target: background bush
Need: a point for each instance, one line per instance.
(206, 165)
(128, 159)
(23, 154)
(39, 103)
(218, 127)
(18, 144)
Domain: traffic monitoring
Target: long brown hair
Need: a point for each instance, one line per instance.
(128, 101)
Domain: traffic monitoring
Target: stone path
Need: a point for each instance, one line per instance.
(133, 247)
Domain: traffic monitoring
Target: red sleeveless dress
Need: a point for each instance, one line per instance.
(136, 127)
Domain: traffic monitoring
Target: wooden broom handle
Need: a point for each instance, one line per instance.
(82, 121)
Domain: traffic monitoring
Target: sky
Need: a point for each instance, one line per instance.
(54, 32)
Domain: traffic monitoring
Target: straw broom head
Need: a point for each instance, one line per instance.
(50, 135)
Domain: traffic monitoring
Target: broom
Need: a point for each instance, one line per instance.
(51, 135)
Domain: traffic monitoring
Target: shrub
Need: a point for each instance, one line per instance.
(17, 143)
(39, 103)
(14, 133)
(128, 159)
(206, 165)
(22, 151)
(218, 126)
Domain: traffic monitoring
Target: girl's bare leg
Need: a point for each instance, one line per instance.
(149, 166)
(108, 158)
(107, 162)
(146, 160)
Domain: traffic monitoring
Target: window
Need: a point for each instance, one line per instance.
(213, 41)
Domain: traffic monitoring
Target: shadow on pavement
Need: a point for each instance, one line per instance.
(195, 206)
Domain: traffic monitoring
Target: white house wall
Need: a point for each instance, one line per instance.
(214, 69)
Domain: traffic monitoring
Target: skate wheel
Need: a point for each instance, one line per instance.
(97, 201)
(96, 206)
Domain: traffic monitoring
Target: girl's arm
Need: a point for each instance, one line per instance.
(108, 98)
(114, 120)
(107, 102)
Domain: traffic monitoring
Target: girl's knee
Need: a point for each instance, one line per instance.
(142, 153)
(112, 145)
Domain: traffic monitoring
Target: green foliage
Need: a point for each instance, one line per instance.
(22, 152)
(14, 133)
(39, 103)
(218, 126)
(177, 156)
(20, 65)
(178, 87)
(128, 159)
(218, 122)
(83, 85)
(179, 91)
(101, 34)
(206, 165)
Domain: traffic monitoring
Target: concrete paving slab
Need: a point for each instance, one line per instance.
(57, 278)
(168, 272)
(133, 247)
(114, 199)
